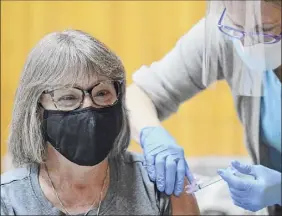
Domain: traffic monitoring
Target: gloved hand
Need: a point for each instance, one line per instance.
(165, 161)
(253, 194)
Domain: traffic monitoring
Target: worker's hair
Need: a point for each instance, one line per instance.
(275, 2)
(278, 2)
(60, 58)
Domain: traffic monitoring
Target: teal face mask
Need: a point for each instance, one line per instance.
(259, 57)
(271, 110)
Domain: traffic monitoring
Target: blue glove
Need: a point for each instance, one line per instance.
(253, 194)
(165, 161)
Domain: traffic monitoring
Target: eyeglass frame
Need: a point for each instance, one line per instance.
(220, 26)
(84, 93)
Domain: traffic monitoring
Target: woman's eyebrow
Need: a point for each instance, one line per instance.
(92, 86)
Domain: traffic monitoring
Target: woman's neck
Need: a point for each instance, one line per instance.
(64, 170)
(78, 187)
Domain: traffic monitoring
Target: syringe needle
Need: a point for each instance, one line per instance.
(194, 187)
(203, 186)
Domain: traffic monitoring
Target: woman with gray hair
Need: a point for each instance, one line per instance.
(69, 135)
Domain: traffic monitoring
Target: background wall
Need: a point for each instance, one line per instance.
(140, 33)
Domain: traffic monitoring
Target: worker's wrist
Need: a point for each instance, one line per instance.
(145, 132)
(272, 194)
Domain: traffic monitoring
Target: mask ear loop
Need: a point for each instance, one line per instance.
(43, 127)
(118, 88)
(43, 123)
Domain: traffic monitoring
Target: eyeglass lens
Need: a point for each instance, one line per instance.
(103, 95)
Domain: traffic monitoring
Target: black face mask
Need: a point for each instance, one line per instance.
(84, 136)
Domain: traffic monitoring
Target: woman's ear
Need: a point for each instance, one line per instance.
(40, 107)
(43, 100)
(40, 111)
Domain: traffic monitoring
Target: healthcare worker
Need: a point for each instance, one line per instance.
(239, 41)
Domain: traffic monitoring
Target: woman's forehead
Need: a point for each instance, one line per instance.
(89, 81)
(84, 82)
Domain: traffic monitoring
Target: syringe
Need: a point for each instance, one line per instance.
(196, 186)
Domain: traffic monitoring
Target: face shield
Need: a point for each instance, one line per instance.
(242, 42)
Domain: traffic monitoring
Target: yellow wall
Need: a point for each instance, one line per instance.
(139, 32)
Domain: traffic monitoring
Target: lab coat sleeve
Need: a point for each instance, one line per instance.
(177, 76)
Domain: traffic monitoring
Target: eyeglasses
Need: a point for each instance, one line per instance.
(103, 94)
(238, 34)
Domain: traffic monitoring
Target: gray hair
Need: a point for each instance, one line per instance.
(60, 58)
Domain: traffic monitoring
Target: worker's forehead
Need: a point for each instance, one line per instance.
(265, 12)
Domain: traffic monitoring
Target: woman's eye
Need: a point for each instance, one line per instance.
(102, 93)
(67, 97)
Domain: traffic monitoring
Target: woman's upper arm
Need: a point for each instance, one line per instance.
(185, 204)
(176, 77)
